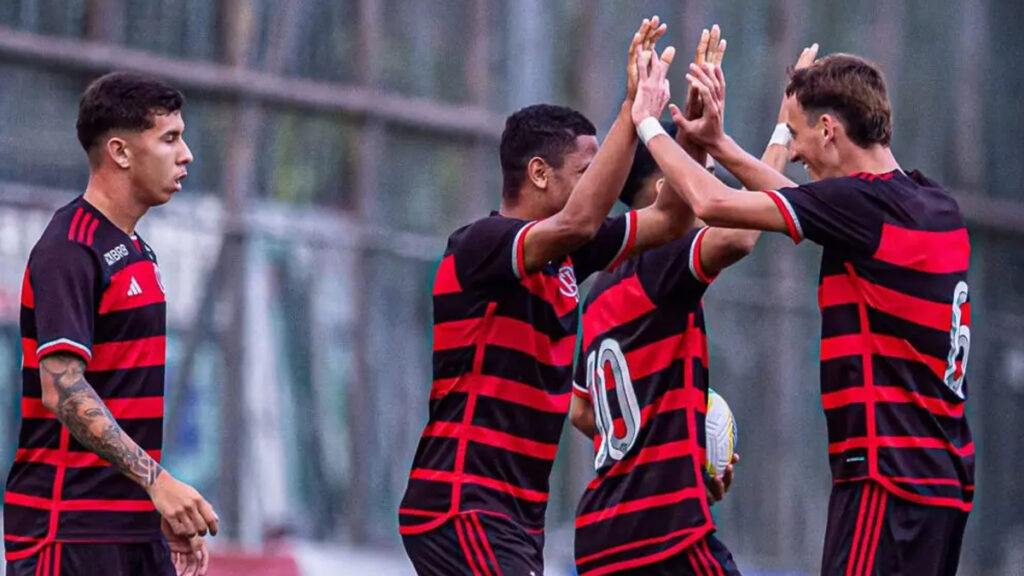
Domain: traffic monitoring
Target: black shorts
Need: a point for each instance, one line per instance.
(706, 557)
(114, 559)
(474, 544)
(872, 532)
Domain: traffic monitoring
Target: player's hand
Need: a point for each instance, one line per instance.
(187, 513)
(653, 92)
(807, 57)
(708, 130)
(651, 29)
(717, 486)
(710, 49)
(189, 555)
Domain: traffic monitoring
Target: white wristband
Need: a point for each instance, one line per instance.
(649, 128)
(781, 135)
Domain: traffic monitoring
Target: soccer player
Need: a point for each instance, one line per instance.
(641, 388)
(86, 493)
(894, 301)
(505, 318)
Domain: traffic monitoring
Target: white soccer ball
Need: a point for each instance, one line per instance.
(720, 427)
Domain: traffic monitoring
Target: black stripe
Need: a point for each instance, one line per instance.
(649, 479)
(448, 408)
(912, 420)
(840, 320)
(145, 382)
(841, 373)
(518, 420)
(525, 306)
(512, 467)
(28, 323)
(125, 526)
(32, 479)
(630, 528)
(459, 306)
(39, 433)
(100, 483)
(132, 324)
(911, 375)
(521, 367)
(934, 343)
(425, 495)
(924, 285)
(436, 453)
(453, 362)
(528, 515)
(924, 463)
(845, 422)
(849, 464)
(26, 522)
(938, 490)
(31, 385)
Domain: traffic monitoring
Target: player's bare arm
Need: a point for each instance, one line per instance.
(598, 188)
(581, 415)
(75, 403)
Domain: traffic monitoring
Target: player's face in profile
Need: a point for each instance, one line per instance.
(574, 164)
(159, 157)
(809, 145)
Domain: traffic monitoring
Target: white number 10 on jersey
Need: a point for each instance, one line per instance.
(606, 361)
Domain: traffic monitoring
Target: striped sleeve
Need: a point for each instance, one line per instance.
(788, 214)
(609, 247)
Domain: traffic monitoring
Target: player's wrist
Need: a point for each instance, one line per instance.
(648, 127)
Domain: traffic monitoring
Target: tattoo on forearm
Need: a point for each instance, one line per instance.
(82, 411)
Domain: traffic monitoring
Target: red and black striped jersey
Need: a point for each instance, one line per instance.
(644, 366)
(93, 291)
(503, 349)
(895, 332)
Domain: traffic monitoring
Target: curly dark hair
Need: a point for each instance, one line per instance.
(123, 101)
(541, 130)
(852, 88)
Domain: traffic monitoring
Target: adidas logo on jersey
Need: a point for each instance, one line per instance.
(134, 289)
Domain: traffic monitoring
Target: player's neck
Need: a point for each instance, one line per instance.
(873, 160)
(522, 210)
(113, 199)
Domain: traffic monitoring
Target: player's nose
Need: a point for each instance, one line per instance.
(186, 157)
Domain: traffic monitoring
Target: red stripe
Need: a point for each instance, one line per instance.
(639, 504)
(74, 223)
(889, 346)
(892, 394)
(711, 557)
(120, 408)
(502, 389)
(703, 559)
(56, 457)
(471, 536)
(694, 563)
(900, 442)
(842, 289)
(465, 549)
(583, 394)
(482, 435)
(864, 548)
(28, 296)
(873, 546)
(865, 493)
(647, 455)
(630, 241)
(507, 333)
(30, 358)
(607, 310)
(129, 354)
(487, 545)
(691, 533)
(424, 513)
(80, 235)
(931, 481)
(21, 539)
(659, 355)
(116, 296)
(447, 281)
(92, 232)
(934, 252)
(38, 503)
(786, 216)
(926, 500)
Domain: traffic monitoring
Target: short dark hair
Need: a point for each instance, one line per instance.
(123, 101)
(542, 130)
(643, 166)
(851, 87)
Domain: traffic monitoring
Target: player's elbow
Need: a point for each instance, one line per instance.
(743, 244)
(581, 416)
(577, 230)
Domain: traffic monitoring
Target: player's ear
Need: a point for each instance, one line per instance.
(829, 124)
(538, 171)
(117, 150)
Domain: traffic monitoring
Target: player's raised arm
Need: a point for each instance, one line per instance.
(598, 188)
(73, 400)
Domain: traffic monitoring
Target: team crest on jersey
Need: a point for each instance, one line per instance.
(567, 281)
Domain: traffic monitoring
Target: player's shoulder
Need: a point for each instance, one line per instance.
(482, 231)
(78, 233)
(922, 203)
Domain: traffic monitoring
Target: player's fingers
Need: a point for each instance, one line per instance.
(178, 561)
(716, 35)
(210, 516)
(735, 458)
(668, 55)
(720, 53)
(717, 487)
(702, 47)
(676, 113)
(656, 34)
(182, 525)
(198, 522)
(204, 561)
(643, 60)
(193, 565)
